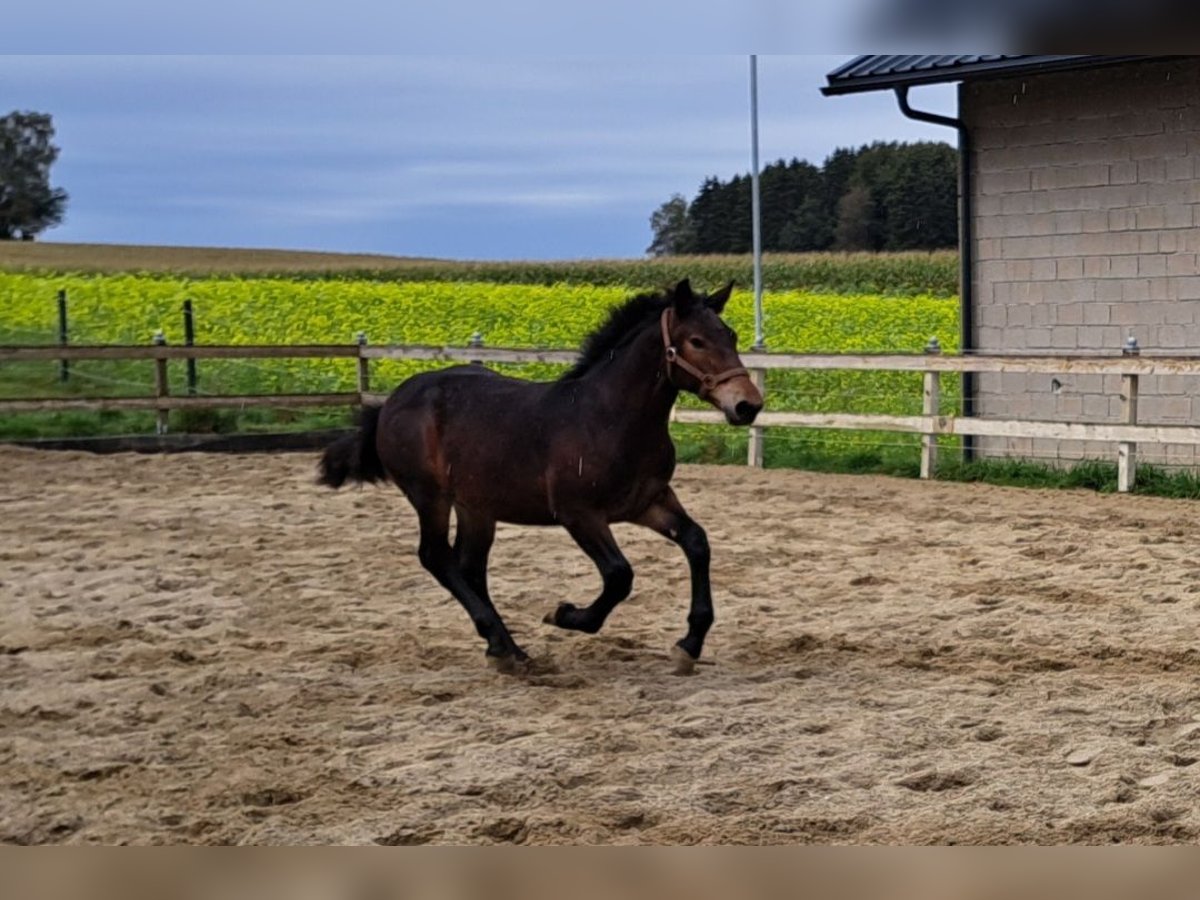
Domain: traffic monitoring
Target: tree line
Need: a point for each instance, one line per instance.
(882, 196)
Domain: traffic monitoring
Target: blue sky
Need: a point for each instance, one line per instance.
(475, 157)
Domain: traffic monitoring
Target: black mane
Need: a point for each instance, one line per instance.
(624, 321)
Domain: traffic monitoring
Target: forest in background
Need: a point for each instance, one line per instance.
(882, 196)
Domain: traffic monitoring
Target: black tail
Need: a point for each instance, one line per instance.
(354, 457)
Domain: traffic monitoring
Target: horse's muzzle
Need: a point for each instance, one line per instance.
(740, 400)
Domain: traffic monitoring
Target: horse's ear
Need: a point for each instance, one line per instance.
(716, 302)
(682, 296)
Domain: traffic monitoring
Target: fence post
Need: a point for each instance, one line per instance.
(189, 340)
(1127, 450)
(64, 367)
(754, 450)
(930, 406)
(161, 385)
(364, 371)
(475, 343)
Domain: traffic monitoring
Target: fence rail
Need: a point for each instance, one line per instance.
(166, 351)
(168, 402)
(1130, 366)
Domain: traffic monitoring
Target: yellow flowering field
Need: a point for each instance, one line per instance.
(128, 309)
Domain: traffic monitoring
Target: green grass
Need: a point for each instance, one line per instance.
(1182, 484)
(72, 424)
(1090, 474)
(93, 378)
(818, 451)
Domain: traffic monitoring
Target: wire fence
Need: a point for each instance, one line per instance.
(139, 388)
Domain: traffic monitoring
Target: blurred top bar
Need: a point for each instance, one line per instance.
(874, 73)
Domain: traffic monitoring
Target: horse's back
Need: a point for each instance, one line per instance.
(467, 431)
(462, 390)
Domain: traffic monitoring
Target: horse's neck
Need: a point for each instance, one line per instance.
(635, 383)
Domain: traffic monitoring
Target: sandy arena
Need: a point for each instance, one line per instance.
(212, 649)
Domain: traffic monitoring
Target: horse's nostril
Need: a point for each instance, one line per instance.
(747, 410)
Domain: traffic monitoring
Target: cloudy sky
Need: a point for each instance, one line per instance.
(476, 157)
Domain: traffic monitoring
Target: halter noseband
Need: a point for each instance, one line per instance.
(707, 381)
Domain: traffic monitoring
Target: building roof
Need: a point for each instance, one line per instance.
(873, 73)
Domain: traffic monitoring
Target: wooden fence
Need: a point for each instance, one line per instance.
(1127, 434)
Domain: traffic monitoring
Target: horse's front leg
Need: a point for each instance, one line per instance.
(668, 517)
(595, 538)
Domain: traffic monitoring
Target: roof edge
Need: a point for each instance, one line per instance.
(970, 72)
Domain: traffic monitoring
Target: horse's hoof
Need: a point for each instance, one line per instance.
(505, 665)
(509, 664)
(683, 662)
(554, 617)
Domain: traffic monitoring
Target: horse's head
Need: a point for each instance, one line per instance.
(702, 353)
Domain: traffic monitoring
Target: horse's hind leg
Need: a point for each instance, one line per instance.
(436, 554)
(473, 540)
(668, 517)
(596, 540)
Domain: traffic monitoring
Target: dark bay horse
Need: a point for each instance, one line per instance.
(583, 452)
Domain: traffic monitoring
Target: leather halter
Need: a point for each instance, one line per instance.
(707, 381)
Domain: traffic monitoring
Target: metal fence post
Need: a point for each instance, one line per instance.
(475, 343)
(930, 403)
(754, 448)
(189, 340)
(364, 371)
(64, 367)
(1127, 450)
(162, 386)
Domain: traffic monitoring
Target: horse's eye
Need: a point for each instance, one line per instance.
(696, 343)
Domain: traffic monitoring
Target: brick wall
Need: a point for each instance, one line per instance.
(1087, 230)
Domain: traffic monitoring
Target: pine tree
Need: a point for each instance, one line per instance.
(881, 196)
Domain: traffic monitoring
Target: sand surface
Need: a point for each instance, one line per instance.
(210, 648)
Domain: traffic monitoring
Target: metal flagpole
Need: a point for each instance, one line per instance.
(754, 448)
(755, 210)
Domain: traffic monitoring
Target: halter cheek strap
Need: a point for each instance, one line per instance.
(707, 381)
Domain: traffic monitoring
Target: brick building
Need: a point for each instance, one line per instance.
(1080, 180)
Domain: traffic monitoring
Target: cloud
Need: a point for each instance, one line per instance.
(462, 26)
(299, 149)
